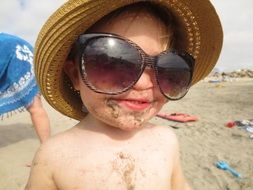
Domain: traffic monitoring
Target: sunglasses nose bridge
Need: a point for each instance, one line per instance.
(149, 62)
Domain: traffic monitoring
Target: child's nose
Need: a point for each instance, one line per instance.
(146, 81)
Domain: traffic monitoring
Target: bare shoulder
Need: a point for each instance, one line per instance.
(165, 129)
(45, 163)
(52, 145)
(165, 134)
(53, 149)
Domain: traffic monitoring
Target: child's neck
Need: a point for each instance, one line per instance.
(91, 123)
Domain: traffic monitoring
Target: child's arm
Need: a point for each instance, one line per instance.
(41, 177)
(178, 181)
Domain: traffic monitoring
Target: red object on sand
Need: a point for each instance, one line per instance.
(180, 117)
(230, 124)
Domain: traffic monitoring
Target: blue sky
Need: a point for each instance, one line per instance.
(25, 18)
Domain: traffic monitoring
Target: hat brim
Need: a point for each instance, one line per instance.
(198, 19)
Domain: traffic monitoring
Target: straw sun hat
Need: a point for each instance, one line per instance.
(197, 19)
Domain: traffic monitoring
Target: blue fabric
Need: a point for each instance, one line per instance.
(18, 86)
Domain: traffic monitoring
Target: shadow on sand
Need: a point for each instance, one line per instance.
(14, 133)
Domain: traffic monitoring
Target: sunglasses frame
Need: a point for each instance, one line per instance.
(146, 61)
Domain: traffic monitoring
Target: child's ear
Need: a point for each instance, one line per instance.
(71, 70)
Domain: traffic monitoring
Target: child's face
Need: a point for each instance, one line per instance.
(131, 109)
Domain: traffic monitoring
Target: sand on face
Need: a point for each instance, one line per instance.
(202, 143)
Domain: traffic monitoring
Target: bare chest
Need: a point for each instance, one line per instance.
(135, 168)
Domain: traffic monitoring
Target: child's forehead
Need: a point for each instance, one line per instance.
(127, 19)
(129, 13)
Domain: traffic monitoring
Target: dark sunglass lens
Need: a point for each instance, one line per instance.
(110, 64)
(174, 75)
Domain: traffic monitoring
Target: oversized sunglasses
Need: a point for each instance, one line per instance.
(111, 64)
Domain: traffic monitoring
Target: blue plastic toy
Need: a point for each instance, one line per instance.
(225, 166)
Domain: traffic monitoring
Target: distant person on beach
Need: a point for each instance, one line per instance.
(113, 65)
(18, 88)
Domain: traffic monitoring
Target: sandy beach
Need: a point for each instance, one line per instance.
(202, 142)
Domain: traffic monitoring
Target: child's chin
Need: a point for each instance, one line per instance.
(130, 126)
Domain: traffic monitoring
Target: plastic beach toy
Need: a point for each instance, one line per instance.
(230, 124)
(225, 166)
(249, 129)
(179, 117)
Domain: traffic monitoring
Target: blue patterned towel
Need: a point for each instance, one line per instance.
(18, 86)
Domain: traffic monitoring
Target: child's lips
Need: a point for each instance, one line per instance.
(134, 104)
